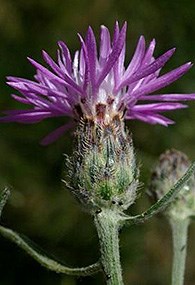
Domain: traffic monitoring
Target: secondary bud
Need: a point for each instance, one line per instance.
(171, 166)
(102, 170)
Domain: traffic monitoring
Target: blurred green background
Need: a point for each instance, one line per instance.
(40, 206)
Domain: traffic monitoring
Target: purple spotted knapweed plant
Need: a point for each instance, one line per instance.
(98, 93)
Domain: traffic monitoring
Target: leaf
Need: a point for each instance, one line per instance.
(44, 259)
(161, 204)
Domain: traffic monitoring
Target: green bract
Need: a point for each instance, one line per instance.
(103, 169)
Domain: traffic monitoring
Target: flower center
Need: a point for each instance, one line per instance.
(101, 112)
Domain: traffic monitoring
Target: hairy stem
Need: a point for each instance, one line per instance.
(44, 259)
(107, 224)
(180, 233)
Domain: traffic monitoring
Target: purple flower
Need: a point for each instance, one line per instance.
(96, 85)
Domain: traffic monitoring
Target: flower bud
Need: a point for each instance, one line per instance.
(102, 170)
(171, 166)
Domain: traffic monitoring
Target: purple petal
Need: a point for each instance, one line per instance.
(168, 97)
(65, 56)
(137, 58)
(52, 64)
(119, 65)
(152, 68)
(57, 107)
(86, 60)
(116, 33)
(158, 107)
(50, 75)
(148, 58)
(82, 62)
(26, 116)
(20, 99)
(151, 118)
(30, 91)
(116, 50)
(44, 90)
(45, 71)
(105, 47)
(159, 83)
(92, 55)
(75, 66)
(18, 79)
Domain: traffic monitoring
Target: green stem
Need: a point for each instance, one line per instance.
(44, 259)
(107, 224)
(180, 233)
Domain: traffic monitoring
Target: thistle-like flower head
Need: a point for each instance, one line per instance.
(97, 86)
(102, 170)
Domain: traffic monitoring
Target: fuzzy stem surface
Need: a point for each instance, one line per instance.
(180, 234)
(107, 224)
(45, 260)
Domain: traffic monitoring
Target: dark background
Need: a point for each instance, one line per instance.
(40, 206)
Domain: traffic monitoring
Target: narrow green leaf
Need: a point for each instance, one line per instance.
(40, 256)
(161, 204)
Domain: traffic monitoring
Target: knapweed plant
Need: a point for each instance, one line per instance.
(98, 93)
